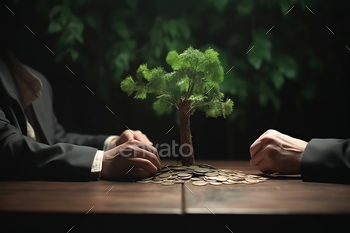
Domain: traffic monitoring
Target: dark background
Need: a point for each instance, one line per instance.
(324, 115)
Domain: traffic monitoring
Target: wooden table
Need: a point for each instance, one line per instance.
(283, 203)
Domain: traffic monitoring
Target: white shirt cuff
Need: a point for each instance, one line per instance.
(96, 167)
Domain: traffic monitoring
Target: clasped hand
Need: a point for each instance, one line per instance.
(132, 157)
(274, 152)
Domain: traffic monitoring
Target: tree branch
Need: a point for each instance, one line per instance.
(190, 89)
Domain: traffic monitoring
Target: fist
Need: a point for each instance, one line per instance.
(130, 160)
(274, 152)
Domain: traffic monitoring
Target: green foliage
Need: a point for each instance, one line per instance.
(261, 50)
(109, 39)
(128, 85)
(71, 28)
(197, 76)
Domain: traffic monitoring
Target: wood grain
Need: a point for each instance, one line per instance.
(54, 197)
(282, 204)
(279, 195)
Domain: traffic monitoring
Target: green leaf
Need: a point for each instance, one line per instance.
(255, 60)
(128, 85)
(184, 29)
(157, 51)
(54, 27)
(277, 79)
(54, 11)
(220, 4)
(93, 21)
(164, 97)
(141, 92)
(121, 61)
(121, 29)
(261, 50)
(285, 6)
(74, 54)
(227, 108)
(287, 66)
(156, 81)
(143, 72)
(172, 28)
(183, 84)
(77, 36)
(212, 66)
(198, 100)
(213, 109)
(173, 60)
(161, 106)
(76, 27)
(245, 7)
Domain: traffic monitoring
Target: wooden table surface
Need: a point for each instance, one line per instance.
(280, 197)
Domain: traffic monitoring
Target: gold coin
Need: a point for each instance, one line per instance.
(180, 181)
(206, 166)
(183, 174)
(199, 183)
(185, 177)
(201, 175)
(167, 184)
(226, 182)
(235, 178)
(179, 168)
(221, 178)
(201, 170)
(143, 181)
(168, 181)
(226, 170)
(212, 174)
(215, 183)
(149, 178)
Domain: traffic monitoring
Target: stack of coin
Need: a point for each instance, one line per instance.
(201, 175)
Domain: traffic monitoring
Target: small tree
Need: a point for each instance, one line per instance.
(194, 83)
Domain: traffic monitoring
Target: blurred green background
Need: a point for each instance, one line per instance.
(294, 79)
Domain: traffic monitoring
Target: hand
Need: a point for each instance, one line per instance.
(128, 135)
(130, 160)
(276, 152)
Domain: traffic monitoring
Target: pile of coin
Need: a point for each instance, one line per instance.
(201, 175)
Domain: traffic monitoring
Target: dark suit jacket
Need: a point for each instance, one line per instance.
(60, 155)
(326, 160)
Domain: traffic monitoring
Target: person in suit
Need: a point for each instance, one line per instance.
(34, 146)
(320, 160)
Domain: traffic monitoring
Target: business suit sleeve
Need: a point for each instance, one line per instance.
(78, 139)
(326, 160)
(24, 159)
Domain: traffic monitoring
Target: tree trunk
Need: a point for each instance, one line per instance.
(186, 147)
